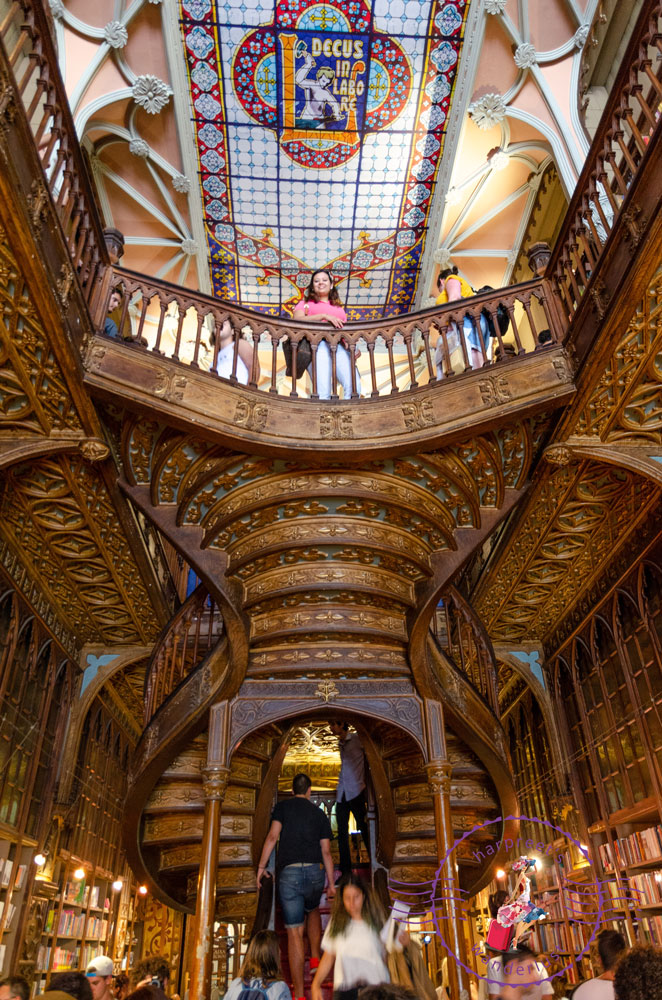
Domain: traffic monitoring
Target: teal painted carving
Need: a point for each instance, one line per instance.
(94, 664)
(532, 661)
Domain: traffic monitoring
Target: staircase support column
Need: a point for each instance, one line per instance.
(439, 780)
(215, 781)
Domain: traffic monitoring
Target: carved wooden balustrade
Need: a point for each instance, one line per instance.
(187, 639)
(402, 353)
(462, 637)
(629, 125)
(29, 72)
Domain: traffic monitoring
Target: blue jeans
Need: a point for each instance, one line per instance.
(299, 889)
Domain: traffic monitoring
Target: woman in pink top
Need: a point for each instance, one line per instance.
(321, 304)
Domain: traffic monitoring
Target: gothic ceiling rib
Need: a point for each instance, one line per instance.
(244, 139)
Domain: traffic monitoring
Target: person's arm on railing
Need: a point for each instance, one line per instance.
(301, 313)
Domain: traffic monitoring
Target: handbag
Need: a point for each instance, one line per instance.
(304, 355)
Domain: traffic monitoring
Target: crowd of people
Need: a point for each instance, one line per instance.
(369, 953)
(354, 947)
(331, 362)
(149, 981)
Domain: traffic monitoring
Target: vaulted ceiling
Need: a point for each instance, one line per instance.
(230, 167)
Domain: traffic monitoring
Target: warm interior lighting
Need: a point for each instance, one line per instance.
(143, 890)
(500, 873)
(658, 876)
(117, 884)
(79, 873)
(39, 859)
(584, 848)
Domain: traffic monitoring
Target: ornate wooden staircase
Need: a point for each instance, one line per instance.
(165, 805)
(325, 532)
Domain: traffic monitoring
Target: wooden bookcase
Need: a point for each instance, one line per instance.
(79, 921)
(16, 854)
(628, 849)
(566, 889)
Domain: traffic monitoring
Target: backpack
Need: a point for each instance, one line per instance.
(252, 992)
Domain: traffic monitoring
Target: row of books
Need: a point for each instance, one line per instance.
(11, 910)
(96, 928)
(647, 887)
(557, 937)
(80, 894)
(643, 889)
(71, 923)
(63, 958)
(551, 904)
(645, 845)
(6, 870)
(650, 930)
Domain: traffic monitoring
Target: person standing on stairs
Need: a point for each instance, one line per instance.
(350, 793)
(303, 834)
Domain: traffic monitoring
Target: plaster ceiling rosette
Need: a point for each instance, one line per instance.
(319, 130)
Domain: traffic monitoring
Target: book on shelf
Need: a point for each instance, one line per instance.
(94, 896)
(11, 910)
(20, 876)
(7, 868)
(43, 957)
(74, 892)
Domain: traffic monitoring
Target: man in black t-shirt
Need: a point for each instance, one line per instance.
(304, 835)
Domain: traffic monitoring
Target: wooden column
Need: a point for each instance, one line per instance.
(438, 770)
(215, 781)
(439, 779)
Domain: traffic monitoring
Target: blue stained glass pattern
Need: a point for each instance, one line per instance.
(320, 128)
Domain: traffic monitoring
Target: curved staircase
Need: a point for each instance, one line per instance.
(164, 824)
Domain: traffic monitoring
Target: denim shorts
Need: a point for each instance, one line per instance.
(299, 889)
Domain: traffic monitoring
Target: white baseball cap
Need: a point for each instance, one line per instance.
(100, 966)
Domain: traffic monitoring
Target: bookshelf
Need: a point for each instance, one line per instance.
(79, 920)
(15, 860)
(564, 886)
(629, 852)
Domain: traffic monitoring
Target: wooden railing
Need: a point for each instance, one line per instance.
(629, 123)
(33, 75)
(191, 634)
(465, 642)
(400, 353)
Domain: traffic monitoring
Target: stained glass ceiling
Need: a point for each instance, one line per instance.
(319, 130)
